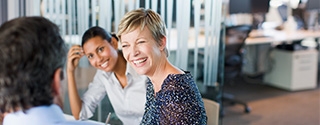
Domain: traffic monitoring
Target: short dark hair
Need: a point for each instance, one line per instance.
(31, 50)
(97, 31)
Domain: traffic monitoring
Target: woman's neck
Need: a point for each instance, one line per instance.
(120, 67)
(161, 73)
(120, 70)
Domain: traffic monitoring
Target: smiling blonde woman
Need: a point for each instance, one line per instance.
(172, 95)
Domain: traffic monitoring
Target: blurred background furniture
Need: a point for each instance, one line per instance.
(234, 43)
(293, 70)
(212, 110)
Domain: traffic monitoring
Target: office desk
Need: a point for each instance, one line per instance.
(260, 42)
(70, 117)
(256, 37)
(293, 70)
(276, 36)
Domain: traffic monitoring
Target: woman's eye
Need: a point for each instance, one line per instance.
(123, 46)
(100, 49)
(89, 56)
(141, 42)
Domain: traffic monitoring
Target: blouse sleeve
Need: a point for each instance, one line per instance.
(92, 97)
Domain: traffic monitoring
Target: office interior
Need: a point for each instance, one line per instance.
(281, 50)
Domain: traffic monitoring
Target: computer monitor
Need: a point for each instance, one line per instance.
(239, 6)
(259, 6)
(248, 6)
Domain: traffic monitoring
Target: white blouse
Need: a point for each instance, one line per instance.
(128, 103)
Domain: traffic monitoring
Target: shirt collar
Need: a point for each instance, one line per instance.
(131, 71)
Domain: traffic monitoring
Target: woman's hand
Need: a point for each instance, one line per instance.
(74, 55)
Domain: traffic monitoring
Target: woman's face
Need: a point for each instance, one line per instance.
(101, 54)
(141, 51)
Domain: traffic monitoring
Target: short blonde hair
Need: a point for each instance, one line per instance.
(143, 18)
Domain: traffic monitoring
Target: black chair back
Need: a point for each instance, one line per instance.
(235, 41)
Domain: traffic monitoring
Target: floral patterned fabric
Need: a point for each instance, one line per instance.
(177, 103)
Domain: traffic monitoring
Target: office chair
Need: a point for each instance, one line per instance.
(212, 110)
(233, 59)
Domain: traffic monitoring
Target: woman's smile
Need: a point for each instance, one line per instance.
(104, 65)
(139, 61)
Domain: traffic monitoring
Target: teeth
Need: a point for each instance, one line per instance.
(104, 64)
(139, 61)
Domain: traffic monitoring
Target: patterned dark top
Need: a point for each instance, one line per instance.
(177, 103)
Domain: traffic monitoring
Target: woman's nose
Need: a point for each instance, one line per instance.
(99, 58)
(136, 52)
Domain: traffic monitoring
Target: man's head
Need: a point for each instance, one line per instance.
(32, 56)
(143, 18)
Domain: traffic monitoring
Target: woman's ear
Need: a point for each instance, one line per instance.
(163, 43)
(56, 87)
(56, 81)
(114, 42)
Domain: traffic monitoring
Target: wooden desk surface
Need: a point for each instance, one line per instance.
(275, 36)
